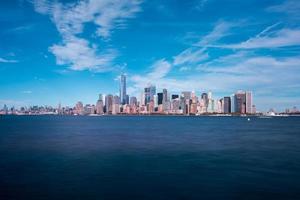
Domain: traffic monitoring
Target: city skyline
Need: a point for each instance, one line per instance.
(150, 102)
(70, 51)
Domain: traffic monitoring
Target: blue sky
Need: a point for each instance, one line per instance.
(66, 51)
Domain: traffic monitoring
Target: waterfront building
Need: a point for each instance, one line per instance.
(159, 98)
(249, 102)
(186, 94)
(240, 102)
(122, 89)
(133, 101)
(165, 95)
(227, 105)
(109, 103)
(79, 108)
(149, 92)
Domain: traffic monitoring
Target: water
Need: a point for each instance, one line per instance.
(151, 157)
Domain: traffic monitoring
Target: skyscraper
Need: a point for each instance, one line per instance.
(149, 93)
(248, 102)
(99, 105)
(109, 103)
(159, 98)
(165, 95)
(227, 105)
(240, 102)
(123, 89)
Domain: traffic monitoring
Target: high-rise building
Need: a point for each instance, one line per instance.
(175, 96)
(79, 108)
(227, 105)
(133, 101)
(248, 102)
(123, 89)
(160, 98)
(240, 102)
(149, 91)
(127, 99)
(109, 103)
(186, 94)
(165, 95)
(99, 105)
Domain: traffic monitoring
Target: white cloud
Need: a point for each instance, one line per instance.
(70, 19)
(80, 56)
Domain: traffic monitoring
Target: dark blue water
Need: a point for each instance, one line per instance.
(61, 157)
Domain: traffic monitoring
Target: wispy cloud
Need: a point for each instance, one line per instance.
(280, 38)
(3, 60)
(26, 92)
(289, 7)
(70, 19)
(190, 55)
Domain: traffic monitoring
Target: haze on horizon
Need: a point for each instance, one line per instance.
(69, 51)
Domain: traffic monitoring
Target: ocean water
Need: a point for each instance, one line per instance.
(150, 157)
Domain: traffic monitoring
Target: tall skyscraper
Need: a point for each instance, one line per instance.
(165, 95)
(159, 98)
(150, 91)
(227, 105)
(123, 89)
(99, 105)
(109, 103)
(248, 102)
(240, 102)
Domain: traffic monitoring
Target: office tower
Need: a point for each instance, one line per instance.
(248, 102)
(100, 97)
(232, 99)
(99, 107)
(175, 96)
(123, 89)
(127, 99)
(165, 95)
(240, 102)
(204, 97)
(142, 101)
(133, 101)
(108, 103)
(220, 106)
(149, 91)
(116, 105)
(209, 95)
(227, 105)
(253, 109)
(186, 94)
(159, 98)
(79, 108)
(155, 101)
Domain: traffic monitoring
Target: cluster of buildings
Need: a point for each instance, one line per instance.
(153, 102)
